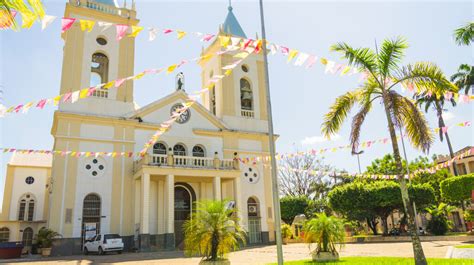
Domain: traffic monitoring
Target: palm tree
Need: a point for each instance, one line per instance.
(326, 232)
(464, 78)
(383, 75)
(437, 102)
(465, 34)
(213, 230)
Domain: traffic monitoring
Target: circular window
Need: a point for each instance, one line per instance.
(245, 68)
(95, 167)
(102, 41)
(251, 175)
(29, 180)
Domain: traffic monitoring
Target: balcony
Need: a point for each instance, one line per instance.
(247, 113)
(189, 162)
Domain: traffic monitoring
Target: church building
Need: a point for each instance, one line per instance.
(144, 200)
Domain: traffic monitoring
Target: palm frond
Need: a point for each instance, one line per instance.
(464, 35)
(464, 78)
(391, 54)
(409, 116)
(338, 113)
(362, 58)
(425, 76)
(357, 122)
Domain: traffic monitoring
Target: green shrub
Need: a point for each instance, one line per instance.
(457, 189)
(439, 223)
(286, 231)
(291, 206)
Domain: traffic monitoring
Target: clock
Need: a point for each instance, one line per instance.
(184, 117)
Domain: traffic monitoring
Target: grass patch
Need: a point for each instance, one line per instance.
(383, 261)
(465, 246)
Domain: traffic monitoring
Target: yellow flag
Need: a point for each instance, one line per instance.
(346, 70)
(324, 61)
(225, 40)
(86, 25)
(88, 154)
(135, 31)
(28, 19)
(83, 93)
(138, 76)
(181, 34)
(205, 58)
(56, 100)
(108, 85)
(228, 72)
(241, 55)
(292, 55)
(171, 68)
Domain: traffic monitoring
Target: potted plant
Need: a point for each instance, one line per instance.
(286, 233)
(45, 239)
(326, 232)
(212, 232)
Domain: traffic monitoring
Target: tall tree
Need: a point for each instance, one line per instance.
(464, 78)
(383, 75)
(303, 175)
(437, 102)
(465, 34)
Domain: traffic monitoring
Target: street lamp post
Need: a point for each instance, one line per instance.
(275, 189)
(358, 159)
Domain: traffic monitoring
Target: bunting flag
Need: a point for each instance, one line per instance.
(180, 34)
(86, 25)
(46, 21)
(28, 19)
(121, 31)
(135, 31)
(152, 32)
(66, 23)
(7, 20)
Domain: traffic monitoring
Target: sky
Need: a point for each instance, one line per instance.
(31, 61)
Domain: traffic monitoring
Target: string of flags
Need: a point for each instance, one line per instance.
(431, 170)
(30, 11)
(363, 145)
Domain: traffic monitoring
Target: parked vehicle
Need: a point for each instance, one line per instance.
(103, 243)
(394, 232)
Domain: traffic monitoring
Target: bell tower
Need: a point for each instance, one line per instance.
(96, 57)
(239, 98)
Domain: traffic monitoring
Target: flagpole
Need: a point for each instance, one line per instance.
(275, 189)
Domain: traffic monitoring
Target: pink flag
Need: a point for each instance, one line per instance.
(207, 37)
(119, 82)
(467, 123)
(166, 31)
(444, 129)
(41, 103)
(285, 50)
(67, 97)
(18, 108)
(91, 91)
(310, 61)
(448, 95)
(121, 31)
(66, 23)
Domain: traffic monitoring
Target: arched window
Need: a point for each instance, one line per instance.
(99, 73)
(4, 234)
(26, 208)
(27, 238)
(253, 215)
(91, 212)
(179, 150)
(198, 151)
(246, 96)
(159, 149)
(212, 99)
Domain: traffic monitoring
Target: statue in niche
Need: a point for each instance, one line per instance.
(180, 81)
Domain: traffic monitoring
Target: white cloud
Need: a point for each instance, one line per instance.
(318, 139)
(448, 116)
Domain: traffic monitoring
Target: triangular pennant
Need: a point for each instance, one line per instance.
(66, 23)
(86, 25)
(46, 21)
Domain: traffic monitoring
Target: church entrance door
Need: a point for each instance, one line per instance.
(184, 197)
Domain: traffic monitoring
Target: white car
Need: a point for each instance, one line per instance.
(104, 243)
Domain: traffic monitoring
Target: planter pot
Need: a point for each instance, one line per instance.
(324, 256)
(285, 241)
(217, 262)
(45, 252)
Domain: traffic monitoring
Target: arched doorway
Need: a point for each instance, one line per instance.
(91, 210)
(27, 239)
(253, 215)
(184, 197)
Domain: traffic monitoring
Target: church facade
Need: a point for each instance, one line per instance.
(144, 200)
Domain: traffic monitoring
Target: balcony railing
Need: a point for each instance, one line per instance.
(247, 113)
(188, 162)
(123, 12)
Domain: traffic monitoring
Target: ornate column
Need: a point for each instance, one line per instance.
(169, 211)
(145, 212)
(217, 188)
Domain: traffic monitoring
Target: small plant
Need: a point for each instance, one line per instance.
(326, 232)
(469, 215)
(286, 231)
(212, 231)
(439, 223)
(45, 237)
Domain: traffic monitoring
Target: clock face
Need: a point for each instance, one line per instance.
(184, 117)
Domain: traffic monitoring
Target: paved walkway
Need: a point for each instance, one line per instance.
(256, 255)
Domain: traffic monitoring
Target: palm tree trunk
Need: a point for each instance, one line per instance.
(439, 111)
(417, 248)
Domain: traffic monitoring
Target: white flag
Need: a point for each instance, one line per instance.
(104, 25)
(152, 32)
(75, 96)
(301, 59)
(46, 21)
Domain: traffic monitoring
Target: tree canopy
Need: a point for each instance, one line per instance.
(457, 189)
